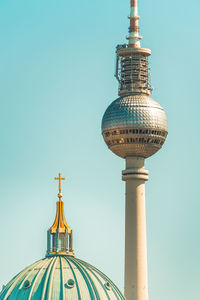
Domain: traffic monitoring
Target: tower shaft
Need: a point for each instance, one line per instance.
(136, 280)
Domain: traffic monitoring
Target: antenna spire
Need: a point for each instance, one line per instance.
(134, 36)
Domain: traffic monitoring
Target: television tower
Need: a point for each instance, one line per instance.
(134, 127)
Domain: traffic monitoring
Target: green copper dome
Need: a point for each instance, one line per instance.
(60, 277)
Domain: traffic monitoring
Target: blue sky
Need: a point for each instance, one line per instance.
(57, 63)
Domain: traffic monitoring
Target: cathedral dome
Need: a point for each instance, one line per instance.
(134, 125)
(60, 277)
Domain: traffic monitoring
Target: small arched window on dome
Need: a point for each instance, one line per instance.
(70, 284)
(27, 284)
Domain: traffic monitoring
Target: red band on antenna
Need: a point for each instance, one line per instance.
(133, 3)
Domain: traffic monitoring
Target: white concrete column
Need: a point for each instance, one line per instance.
(136, 281)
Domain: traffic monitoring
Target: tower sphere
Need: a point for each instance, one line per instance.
(134, 125)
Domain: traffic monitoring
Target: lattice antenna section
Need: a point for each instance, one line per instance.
(132, 71)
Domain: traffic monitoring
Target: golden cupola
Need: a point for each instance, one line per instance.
(59, 236)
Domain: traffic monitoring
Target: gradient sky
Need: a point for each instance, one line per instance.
(57, 63)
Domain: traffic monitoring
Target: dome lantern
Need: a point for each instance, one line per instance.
(59, 236)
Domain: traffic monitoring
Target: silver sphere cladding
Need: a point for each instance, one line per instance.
(134, 125)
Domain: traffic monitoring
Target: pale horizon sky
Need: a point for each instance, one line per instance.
(57, 63)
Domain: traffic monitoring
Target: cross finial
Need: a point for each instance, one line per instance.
(59, 178)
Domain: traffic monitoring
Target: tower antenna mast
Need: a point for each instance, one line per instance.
(134, 36)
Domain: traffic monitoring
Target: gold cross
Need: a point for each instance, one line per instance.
(59, 178)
